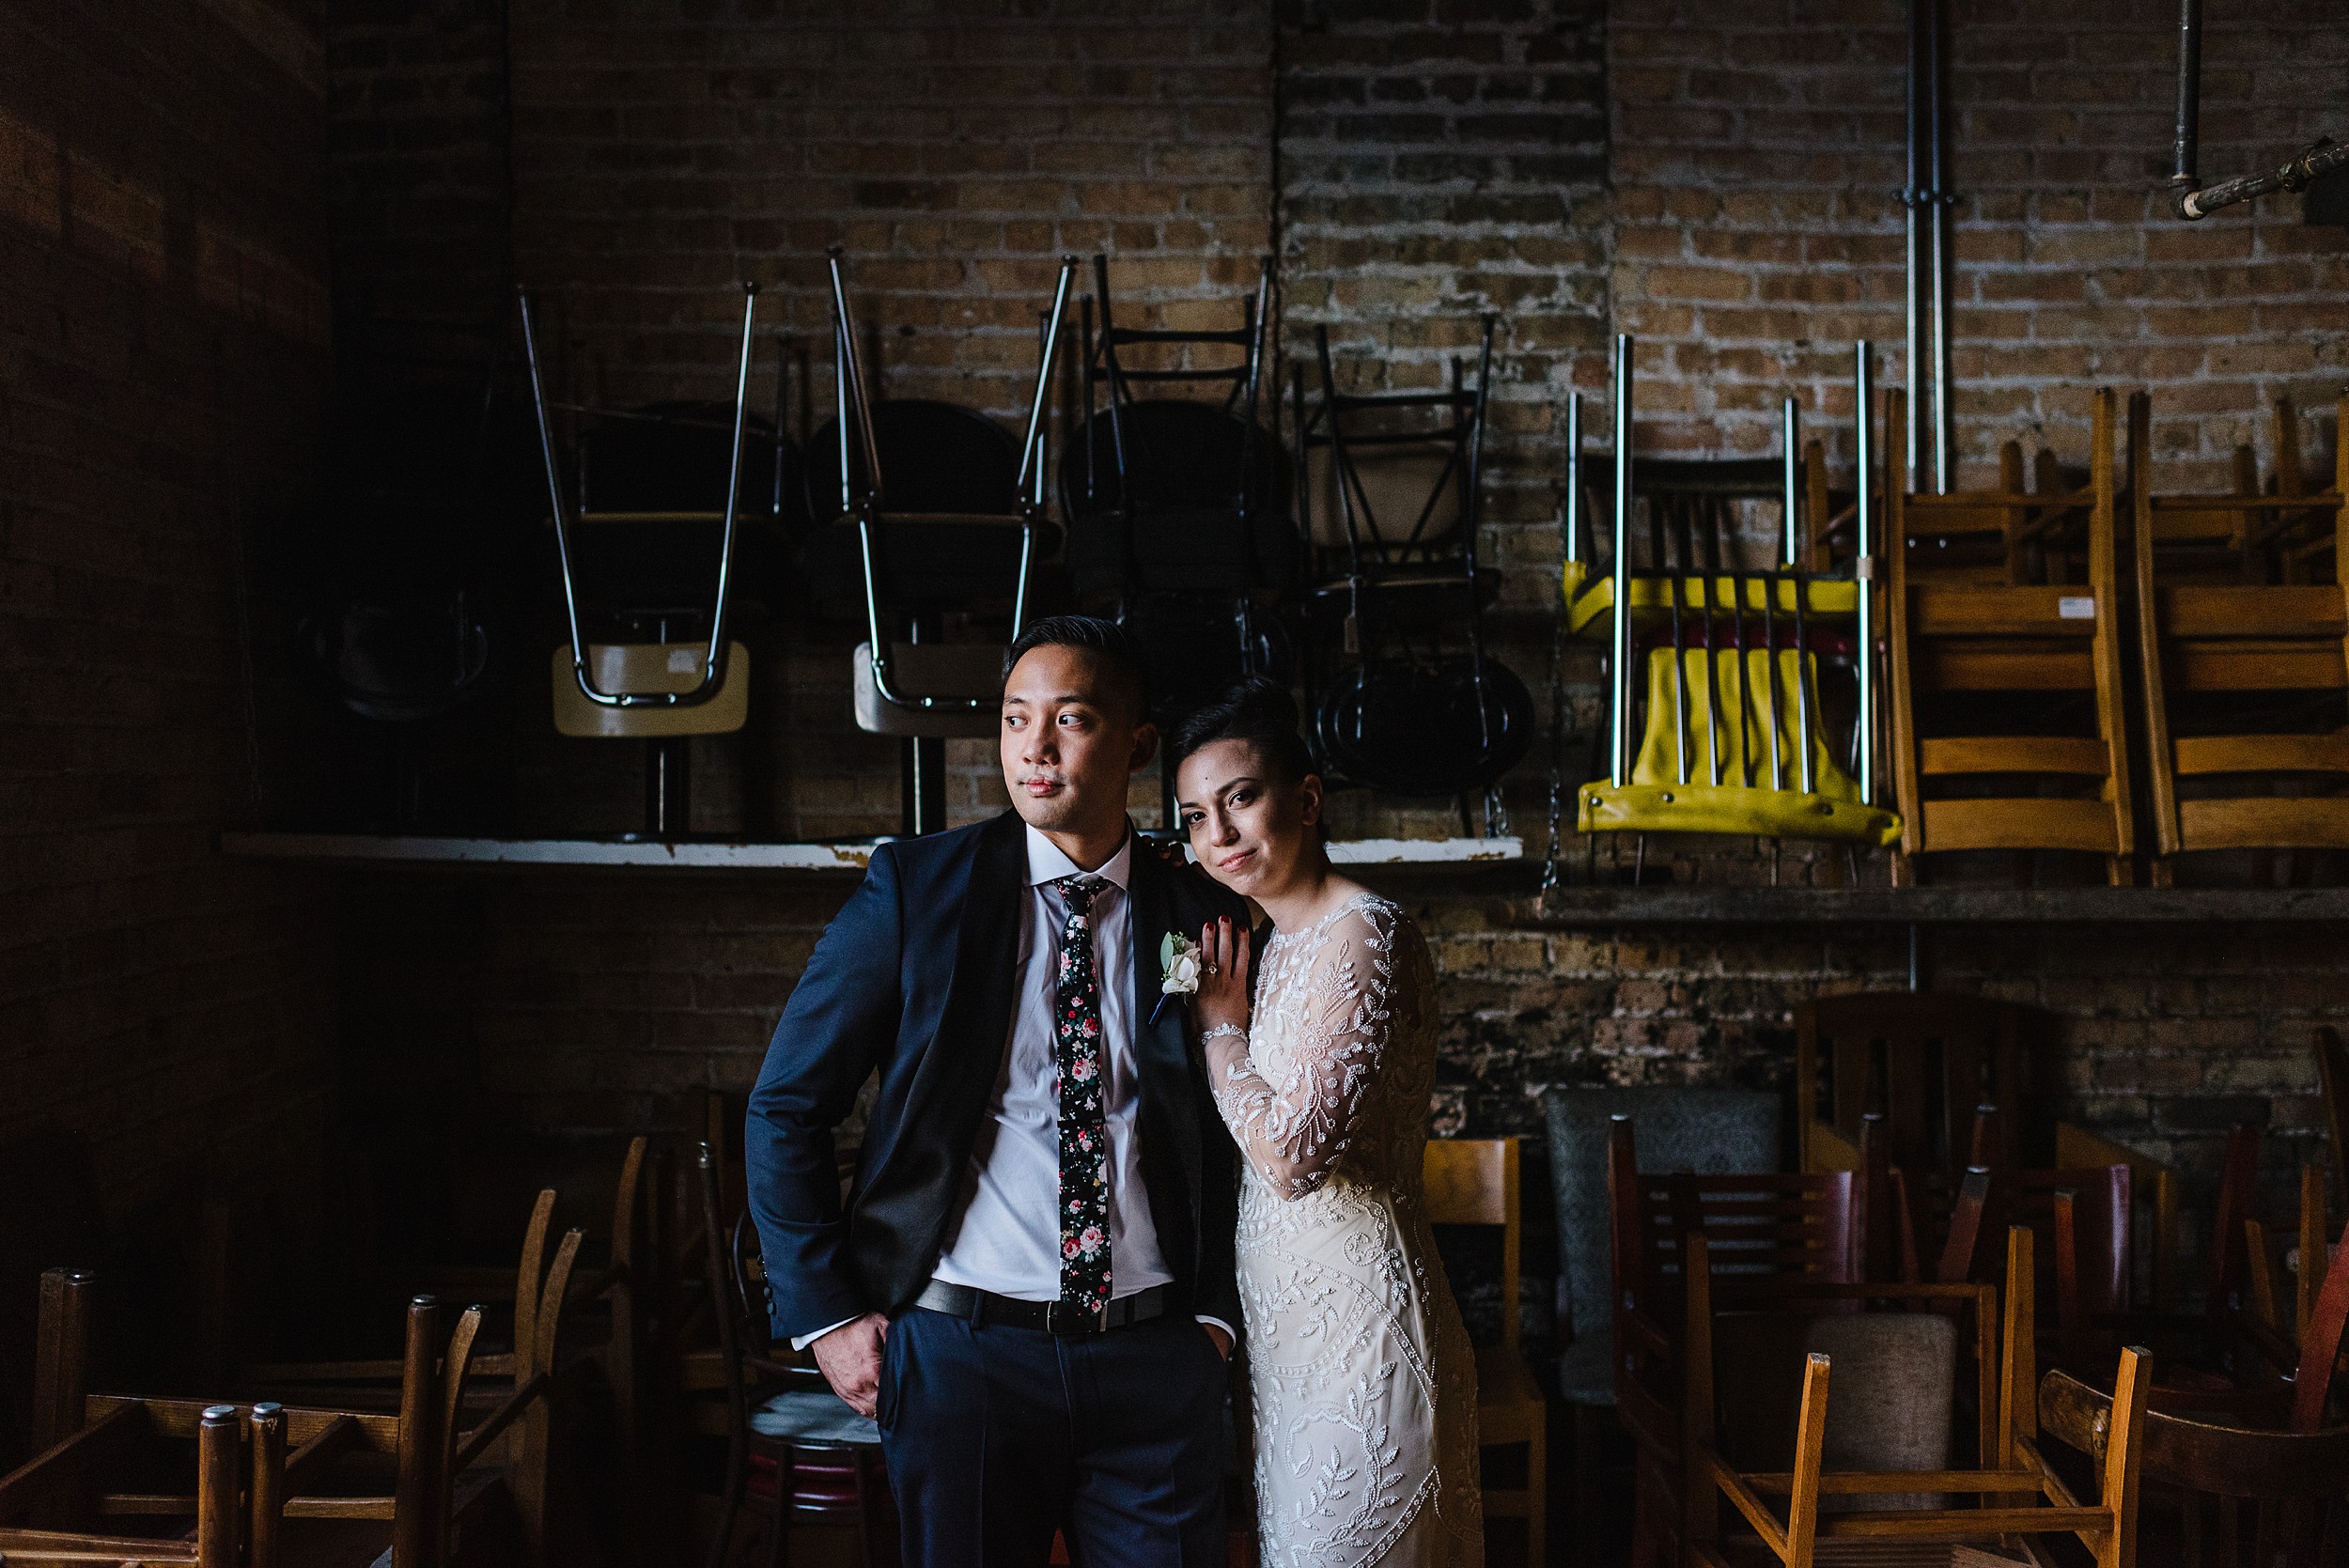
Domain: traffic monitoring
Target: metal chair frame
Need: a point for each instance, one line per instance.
(714, 659)
(1106, 371)
(854, 414)
(1377, 559)
(1710, 799)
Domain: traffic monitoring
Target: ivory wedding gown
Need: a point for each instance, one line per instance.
(1362, 1377)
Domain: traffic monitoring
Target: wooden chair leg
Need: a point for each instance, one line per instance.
(61, 1356)
(266, 1495)
(1536, 1495)
(1589, 1525)
(216, 1494)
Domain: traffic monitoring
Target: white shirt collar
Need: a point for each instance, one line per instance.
(1049, 863)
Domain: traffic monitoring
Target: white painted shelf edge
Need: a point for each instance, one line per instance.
(712, 856)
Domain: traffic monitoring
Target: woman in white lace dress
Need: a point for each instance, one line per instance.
(1362, 1377)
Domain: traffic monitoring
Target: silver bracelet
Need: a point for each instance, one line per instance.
(1222, 1028)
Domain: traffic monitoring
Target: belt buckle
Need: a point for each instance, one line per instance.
(1069, 1321)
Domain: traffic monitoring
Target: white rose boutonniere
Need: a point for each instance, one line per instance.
(1178, 969)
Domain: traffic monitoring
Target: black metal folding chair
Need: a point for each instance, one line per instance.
(1178, 516)
(936, 501)
(632, 572)
(1389, 495)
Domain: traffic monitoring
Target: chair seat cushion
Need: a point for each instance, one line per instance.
(813, 1416)
(1586, 1372)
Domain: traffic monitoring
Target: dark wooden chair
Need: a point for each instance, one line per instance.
(1474, 1182)
(2332, 1082)
(1925, 1060)
(1959, 1080)
(795, 1452)
(1768, 1231)
(2277, 1499)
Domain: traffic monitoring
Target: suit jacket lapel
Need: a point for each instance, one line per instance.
(1169, 1118)
(974, 1030)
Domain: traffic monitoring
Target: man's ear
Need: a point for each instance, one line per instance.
(1145, 747)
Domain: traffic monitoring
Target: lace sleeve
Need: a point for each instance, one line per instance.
(1294, 1130)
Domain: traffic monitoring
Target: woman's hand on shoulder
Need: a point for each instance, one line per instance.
(1222, 995)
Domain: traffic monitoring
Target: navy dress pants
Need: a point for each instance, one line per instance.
(996, 1435)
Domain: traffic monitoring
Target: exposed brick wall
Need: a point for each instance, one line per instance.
(417, 138)
(1438, 162)
(1714, 178)
(163, 352)
(1757, 150)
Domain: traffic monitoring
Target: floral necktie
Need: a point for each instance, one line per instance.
(1084, 1143)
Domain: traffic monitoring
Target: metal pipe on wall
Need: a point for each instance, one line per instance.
(1913, 198)
(1944, 262)
(1932, 269)
(2313, 162)
(1864, 569)
(1619, 726)
(2184, 146)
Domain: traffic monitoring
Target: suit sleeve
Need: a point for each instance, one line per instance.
(840, 1023)
(1216, 1293)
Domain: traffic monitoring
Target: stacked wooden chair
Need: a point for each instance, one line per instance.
(542, 1365)
(2005, 538)
(2274, 1498)
(1905, 1500)
(275, 1483)
(2011, 689)
(2243, 678)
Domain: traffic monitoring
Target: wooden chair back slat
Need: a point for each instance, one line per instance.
(1475, 1181)
(1927, 1060)
(2211, 641)
(2005, 636)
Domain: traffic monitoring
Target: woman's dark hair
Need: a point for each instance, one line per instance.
(1258, 712)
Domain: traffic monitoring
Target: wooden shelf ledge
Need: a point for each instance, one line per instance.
(715, 855)
(1586, 906)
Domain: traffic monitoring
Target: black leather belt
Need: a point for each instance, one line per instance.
(1054, 1317)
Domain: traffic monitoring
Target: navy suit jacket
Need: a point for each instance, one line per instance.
(915, 979)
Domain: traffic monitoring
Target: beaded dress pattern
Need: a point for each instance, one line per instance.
(1362, 1379)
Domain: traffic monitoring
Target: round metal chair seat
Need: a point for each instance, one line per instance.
(1412, 728)
(938, 461)
(814, 1415)
(672, 457)
(935, 457)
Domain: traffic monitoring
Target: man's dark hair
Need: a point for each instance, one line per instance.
(1111, 643)
(1258, 712)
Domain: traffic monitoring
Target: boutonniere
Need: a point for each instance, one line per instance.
(1178, 970)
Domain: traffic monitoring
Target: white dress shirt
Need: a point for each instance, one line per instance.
(1008, 1240)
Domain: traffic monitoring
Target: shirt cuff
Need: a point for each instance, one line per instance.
(1219, 1323)
(801, 1341)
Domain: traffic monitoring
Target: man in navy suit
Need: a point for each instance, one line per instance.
(1030, 1284)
